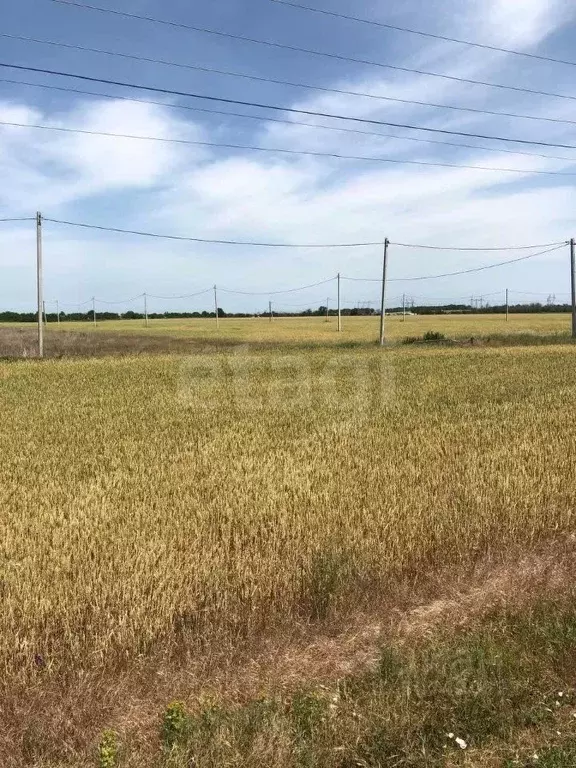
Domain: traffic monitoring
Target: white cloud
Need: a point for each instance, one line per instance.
(102, 162)
(520, 23)
(52, 168)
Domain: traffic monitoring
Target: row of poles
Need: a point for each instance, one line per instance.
(42, 309)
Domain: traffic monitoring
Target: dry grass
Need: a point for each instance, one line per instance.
(59, 724)
(22, 342)
(160, 513)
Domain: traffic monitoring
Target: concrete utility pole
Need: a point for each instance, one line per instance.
(383, 302)
(145, 311)
(507, 305)
(339, 315)
(216, 306)
(39, 283)
(573, 282)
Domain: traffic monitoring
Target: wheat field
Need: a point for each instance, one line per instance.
(170, 502)
(317, 330)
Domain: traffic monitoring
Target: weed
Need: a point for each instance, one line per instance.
(175, 725)
(108, 749)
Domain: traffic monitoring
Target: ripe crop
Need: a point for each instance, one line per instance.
(176, 502)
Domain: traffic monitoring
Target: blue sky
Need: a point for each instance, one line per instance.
(240, 194)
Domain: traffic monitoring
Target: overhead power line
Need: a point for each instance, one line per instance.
(207, 240)
(459, 272)
(460, 248)
(276, 293)
(279, 150)
(185, 296)
(69, 304)
(311, 51)
(261, 118)
(434, 36)
(277, 108)
(309, 304)
(453, 298)
(541, 293)
(133, 298)
(121, 301)
(27, 218)
(555, 247)
(257, 78)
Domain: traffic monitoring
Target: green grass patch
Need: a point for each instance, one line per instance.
(420, 707)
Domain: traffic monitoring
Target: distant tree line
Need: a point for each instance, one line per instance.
(51, 317)
(496, 309)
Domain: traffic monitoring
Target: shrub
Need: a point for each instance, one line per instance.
(433, 336)
(428, 336)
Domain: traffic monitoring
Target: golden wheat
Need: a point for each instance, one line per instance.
(170, 499)
(316, 329)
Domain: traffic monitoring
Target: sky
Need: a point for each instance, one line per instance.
(208, 192)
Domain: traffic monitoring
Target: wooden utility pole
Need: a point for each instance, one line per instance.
(39, 283)
(383, 301)
(339, 315)
(573, 283)
(216, 306)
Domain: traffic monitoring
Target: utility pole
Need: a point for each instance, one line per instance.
(39, 283)
(339, 315)
(507, 305)
(94, 310)
(573, 282)
(216, 306)
(145, 311)
(403, 307)
(57, 312)
(270, 310)
(383, 302)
